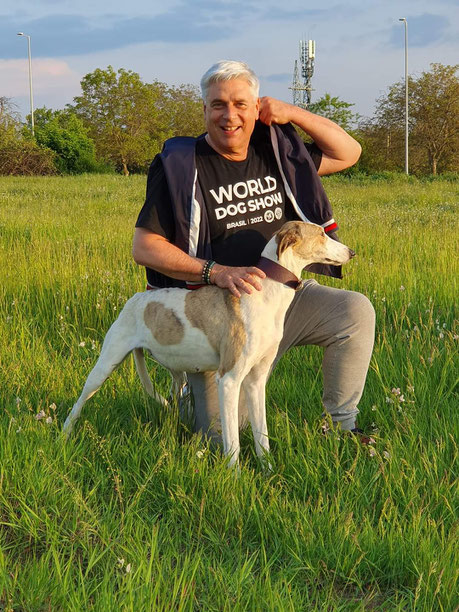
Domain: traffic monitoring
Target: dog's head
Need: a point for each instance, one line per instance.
(310, 243)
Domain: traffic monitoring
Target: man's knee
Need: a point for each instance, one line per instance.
(360, 310)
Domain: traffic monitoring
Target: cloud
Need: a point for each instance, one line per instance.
(64, 35)
(423, 30)
(48, 75)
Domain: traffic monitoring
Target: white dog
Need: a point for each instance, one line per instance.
(210, 329)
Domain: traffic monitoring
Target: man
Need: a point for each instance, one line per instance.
(212, 204)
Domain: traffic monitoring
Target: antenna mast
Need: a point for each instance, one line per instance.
(302, 89)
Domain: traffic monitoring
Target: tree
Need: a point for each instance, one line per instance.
(185, 111)
(64, 133)
(20, 155)
(433, 120)
(335, 109)
(122, 116)
(10, 124)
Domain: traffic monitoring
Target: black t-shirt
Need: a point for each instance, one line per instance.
(245, 203)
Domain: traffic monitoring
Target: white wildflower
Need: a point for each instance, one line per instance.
(128, 568)
(402, 288)
(200, 453)
(18, 401)
(386, 454)
(40, 415)
(49, 420)
(53, 406)
(120, 563)
(372, 451)
(82, 344)
(441, 335)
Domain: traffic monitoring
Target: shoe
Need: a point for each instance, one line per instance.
(364, 438)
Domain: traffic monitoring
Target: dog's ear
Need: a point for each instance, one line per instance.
(287, 236)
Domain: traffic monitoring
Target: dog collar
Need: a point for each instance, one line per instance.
(280, 274)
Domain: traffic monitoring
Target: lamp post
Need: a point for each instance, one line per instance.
(406, 93)
(30, 81)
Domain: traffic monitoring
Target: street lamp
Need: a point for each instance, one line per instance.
(406, 93)
(30, 81)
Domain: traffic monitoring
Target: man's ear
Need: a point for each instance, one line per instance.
(287, 237)
(258, 108)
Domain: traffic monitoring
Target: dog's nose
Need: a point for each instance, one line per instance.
(351, 253)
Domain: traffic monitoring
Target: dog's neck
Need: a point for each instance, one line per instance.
(275, 271)
(291, 263)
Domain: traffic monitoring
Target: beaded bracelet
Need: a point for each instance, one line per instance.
(205, 277)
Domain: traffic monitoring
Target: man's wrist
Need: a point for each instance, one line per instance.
(206, 270)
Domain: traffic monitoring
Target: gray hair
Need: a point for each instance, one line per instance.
(225, 70)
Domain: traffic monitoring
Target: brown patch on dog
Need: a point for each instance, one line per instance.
(217, 313)
(288, 235)
(163, 323)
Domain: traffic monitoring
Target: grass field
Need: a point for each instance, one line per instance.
(134, 513)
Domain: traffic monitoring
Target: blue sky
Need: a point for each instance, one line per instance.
(359, 45)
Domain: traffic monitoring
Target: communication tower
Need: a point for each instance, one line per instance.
(301, 86)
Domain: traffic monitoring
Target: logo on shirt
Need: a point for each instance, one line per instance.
(246, 192)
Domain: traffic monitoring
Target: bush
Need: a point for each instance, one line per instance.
(65, 134)
(26, 158)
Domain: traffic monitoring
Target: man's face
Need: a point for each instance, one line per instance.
(230, 112)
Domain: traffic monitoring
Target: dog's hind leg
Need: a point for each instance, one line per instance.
(117, 345)
(141, 368)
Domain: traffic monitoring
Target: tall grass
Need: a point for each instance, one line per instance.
(135, 513)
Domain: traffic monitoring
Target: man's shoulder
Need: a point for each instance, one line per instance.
(180, 144)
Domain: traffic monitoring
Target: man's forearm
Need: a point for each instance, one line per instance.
(331, 139)
(157, 253)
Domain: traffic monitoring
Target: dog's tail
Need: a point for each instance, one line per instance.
(139, 359)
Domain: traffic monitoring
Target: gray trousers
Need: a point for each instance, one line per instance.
(340, 321)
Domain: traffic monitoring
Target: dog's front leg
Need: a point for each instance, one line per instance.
(255, 392)
(228, 396)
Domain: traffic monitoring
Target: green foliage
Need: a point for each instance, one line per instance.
(129, 119)
(18, 153)
(433, 124)
(335, 109)
(134, 513)
(9, 122)
(64, 133)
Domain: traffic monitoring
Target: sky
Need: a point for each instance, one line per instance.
(359, 44)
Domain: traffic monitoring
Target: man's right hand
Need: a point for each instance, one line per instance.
(237, 279)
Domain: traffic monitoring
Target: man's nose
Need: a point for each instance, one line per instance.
(230, 111)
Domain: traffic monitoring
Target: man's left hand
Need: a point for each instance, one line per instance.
(275, 111)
